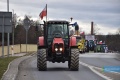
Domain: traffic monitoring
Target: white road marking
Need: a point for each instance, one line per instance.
(99, 55)
(96, 72)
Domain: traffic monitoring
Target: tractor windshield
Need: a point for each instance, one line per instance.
(57, 28)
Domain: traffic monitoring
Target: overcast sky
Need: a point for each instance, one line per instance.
(104, 13)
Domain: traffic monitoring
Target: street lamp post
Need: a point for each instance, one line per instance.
(8, 5)
(13, 25)
(8, 33)
(13, 33)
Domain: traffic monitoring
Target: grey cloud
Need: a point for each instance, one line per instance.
(105, 12)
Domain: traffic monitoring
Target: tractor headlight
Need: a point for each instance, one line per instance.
(61, 49)
(56, 49)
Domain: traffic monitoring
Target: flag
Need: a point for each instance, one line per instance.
(43, 13)
(74, 24)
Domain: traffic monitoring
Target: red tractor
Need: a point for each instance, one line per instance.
(57, 46)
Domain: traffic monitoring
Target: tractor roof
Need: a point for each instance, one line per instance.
(57, 21)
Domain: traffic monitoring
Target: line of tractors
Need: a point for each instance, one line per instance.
(89, 43)
(56, 45)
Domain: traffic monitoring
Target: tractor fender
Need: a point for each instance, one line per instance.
(41, 41)
(73, 41)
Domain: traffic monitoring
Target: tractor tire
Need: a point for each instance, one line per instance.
(74, 60)
(69, 63)
(41, 60)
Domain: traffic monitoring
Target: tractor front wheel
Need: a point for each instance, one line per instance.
(41, 60)
(74, 60)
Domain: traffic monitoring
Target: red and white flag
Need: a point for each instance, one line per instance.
(43, 13)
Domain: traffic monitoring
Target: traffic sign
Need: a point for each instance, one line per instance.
(6, 22)
(26, 23)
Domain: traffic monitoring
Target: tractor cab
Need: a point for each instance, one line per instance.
(57, 29)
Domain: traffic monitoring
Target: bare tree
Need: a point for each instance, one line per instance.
(118, 31)
(96, 30)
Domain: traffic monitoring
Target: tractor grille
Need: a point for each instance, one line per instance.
(58, 47)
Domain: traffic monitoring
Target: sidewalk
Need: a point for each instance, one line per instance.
(12, 70)
(19, 54)
(16, 54)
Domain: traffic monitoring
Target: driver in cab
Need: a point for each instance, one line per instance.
(57, 30)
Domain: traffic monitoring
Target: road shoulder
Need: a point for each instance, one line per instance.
(12, 70)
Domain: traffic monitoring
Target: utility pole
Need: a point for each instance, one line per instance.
(3, 37)
(8, 32)
(13, 33)
(13, 26)
(8, 5)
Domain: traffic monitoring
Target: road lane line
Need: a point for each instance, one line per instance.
(96, 72)
(96, 55)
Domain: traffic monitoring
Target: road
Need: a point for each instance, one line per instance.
(56, 71)
(100, 59)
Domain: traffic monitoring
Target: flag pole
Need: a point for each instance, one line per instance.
(46, 12)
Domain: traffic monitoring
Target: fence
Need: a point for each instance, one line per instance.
(18, 48)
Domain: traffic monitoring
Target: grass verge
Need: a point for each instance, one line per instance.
(4, 62)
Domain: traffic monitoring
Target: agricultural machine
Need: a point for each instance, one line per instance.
(79, 39)
(57, 46)
(90, 42)
(81, 45)
(101, 47)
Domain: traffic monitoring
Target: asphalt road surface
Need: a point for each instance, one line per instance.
(100, 59)
(56, 71)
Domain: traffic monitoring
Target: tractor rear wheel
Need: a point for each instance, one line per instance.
(74, 60)
(41, 60)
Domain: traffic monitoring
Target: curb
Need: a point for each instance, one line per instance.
(13, 68)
